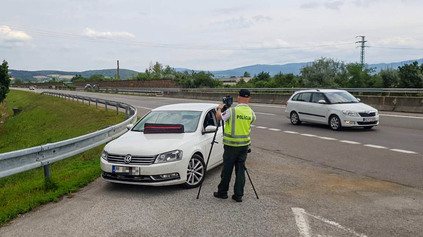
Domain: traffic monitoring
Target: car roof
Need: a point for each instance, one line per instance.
(320, 90)
(187, 107)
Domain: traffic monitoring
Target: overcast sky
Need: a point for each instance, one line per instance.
(81, 35)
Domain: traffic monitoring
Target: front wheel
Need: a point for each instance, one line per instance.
(335, 123)
(195, 172)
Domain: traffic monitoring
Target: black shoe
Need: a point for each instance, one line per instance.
(237, 198)
(218, 195)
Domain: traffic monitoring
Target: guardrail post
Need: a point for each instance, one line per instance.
(105, 104)
(117, 108)
(126, 112)
(47, 172)
(96, 103)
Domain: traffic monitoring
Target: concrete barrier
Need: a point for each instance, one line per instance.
(382, 103)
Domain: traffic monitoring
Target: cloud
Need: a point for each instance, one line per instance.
(336, 5)
(7, 34)
(241, 22)
(310, 5)
(332, 5)
(107, 35)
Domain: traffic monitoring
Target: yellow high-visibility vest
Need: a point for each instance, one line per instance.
(238, 126)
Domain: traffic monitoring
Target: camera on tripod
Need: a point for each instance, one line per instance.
(227, 101)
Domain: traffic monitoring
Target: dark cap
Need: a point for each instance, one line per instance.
(244, 93)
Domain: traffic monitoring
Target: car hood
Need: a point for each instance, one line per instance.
(355, 107)
(140, 144)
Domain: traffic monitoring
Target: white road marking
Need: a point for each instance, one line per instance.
(143, 107)
(302, 222)
(265, 113)
(375, 146)
(343, 141)
(404, 151)
(349, 142)
(400, 116)
(261, 127)
(308, 135)
(328, 138)
(301, 218)
(291, 132)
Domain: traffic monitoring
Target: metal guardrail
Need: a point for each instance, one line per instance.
(278, 90)
(160, 91)
(22, 160)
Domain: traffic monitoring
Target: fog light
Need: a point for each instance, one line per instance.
(349, 122)
(169, 176)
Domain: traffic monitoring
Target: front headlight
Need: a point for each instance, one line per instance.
(104, 155)
(350, 113)
(169, 156)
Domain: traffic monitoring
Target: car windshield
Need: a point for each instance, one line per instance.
(340, 97)
(188, 118)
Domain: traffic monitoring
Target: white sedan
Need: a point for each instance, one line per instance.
(170, 145)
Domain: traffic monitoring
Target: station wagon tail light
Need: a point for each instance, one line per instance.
(169, 156)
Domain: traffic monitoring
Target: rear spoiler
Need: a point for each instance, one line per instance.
(163, 128)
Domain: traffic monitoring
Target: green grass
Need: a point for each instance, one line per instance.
(46, 119)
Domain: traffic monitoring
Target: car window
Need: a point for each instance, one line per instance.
(295, 97)
(210, 119)
(304, 96)
(189, 119)
(339, 97)
(317, 96)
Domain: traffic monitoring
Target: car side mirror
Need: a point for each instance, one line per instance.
(129, 126)
(210, 129)
(358, 99)
(322, 102)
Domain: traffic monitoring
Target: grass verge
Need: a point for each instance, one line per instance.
(45, 119)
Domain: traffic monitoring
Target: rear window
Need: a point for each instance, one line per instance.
(302, 97)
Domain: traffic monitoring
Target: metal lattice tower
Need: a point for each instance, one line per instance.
(362, 46)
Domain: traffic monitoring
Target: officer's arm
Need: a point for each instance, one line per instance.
(219, 112)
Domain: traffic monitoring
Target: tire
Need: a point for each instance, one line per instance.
(295, 119)
(335, 123)
(195, 172)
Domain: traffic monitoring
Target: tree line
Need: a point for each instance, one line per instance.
(322, 73)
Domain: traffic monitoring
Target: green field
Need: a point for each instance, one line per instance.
(47, 119)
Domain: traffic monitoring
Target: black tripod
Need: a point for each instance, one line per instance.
(211, 148)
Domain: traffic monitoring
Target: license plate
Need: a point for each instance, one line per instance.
(126, 170)
(369, 119)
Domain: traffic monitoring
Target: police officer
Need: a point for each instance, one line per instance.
(236, 140)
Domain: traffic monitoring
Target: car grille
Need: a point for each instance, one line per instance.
(136, 160)
(363, 114)
(367, 123)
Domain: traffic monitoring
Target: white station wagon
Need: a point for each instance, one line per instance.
(337, 108)
(169, 145)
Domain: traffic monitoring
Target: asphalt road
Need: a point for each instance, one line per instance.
(311, 182)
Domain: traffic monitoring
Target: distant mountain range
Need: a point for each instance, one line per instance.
(236, 72)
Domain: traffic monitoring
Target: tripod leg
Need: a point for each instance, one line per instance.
(251, 181)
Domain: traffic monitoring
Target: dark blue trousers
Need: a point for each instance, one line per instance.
(233, 157)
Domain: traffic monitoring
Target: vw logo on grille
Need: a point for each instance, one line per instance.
(127, 159)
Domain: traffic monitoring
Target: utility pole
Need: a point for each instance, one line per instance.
(118, 74)
(362, 46)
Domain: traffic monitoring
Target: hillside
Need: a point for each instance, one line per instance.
(237, 72)
(49, 74)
